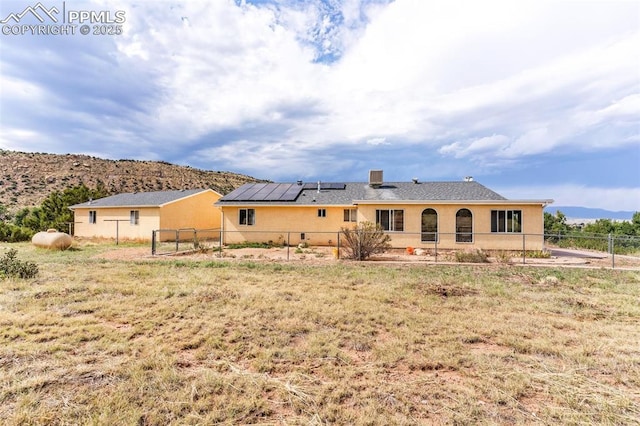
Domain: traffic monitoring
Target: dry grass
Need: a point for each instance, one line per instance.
(95, 341)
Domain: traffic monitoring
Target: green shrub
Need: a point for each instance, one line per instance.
(10, 266)
(11, 233)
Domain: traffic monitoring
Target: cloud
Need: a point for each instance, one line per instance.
(284, 89)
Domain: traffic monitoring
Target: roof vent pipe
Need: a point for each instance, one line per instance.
(299, 182)
(318, 187)
(415, 180)
(468, 178)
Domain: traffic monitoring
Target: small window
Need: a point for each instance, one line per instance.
(322, 212)
(134, 217)
(350, 215)
(93, 216)
(506, 221)
(247, 217)
(390, 220)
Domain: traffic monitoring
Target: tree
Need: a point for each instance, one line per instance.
(4, 213)
(54, 211)
(364, 240)
(557, 224)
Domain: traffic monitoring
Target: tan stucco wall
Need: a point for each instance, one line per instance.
(532, 223)
(279, 222)
(196, 211)
(149, 220)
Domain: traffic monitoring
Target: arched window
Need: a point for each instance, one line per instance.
(464, 226)
(429, 225)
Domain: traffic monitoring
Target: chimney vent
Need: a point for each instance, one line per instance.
(415, 180)
(375, 178)
(468, 178)
(299, 182)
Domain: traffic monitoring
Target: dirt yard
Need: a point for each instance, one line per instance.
(327, 255)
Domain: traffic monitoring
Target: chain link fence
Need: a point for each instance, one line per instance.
(185, 240)
(430, 246)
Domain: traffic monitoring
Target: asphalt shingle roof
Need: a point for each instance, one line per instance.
(362, 191)
(140, 199)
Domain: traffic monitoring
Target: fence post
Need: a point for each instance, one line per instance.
(524, 249)
(153, 243)
(613, 251)
(195, 239)
(436, 248)
(288, 244)
(220, 245)
(338, 240)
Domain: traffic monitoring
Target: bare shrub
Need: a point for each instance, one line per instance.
(365, 240)
(472, 256)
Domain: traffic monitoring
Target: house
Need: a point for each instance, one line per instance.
(136, 215)
(448, 215)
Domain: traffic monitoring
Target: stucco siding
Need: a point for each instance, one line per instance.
(273, 223)
(105, 228)
(196, 211)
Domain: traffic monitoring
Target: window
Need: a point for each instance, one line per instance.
(390, 220)
(506, 220)
(429, 225)
(350, 215)
(464, 226)
(134, 217)
(247, 217)
(322, 212)
(92, 216)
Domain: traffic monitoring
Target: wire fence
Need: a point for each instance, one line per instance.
(431, 246)
(184, 240)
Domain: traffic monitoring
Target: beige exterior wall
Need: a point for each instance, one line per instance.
(273, 223)
(279, 223)
(532, 223)
(196, 211)
(149, 220)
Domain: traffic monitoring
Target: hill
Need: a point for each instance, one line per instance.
(590, 214)
(26, 179)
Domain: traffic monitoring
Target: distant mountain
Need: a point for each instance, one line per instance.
(574, 212)
(26, 179)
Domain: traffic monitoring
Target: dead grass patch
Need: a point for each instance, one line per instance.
(186, 341)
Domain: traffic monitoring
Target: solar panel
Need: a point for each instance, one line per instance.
(250, 193)
(291, 193)
(263, 193)
(237, 193)
(277, 192)
(325, 185)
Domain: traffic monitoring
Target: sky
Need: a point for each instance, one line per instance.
(534, 99)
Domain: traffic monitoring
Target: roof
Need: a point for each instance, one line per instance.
(140, 199)
(359, 193)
